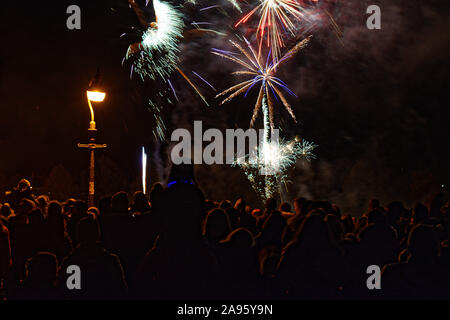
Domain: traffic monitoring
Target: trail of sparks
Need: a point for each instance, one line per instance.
(234, 3)
(173, 89)
(210, 7)
(156, 56)
(192, 85)
(201, 78)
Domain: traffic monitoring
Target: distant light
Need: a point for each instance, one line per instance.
(144, 171)
(96, 96)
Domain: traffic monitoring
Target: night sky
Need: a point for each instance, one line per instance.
(376, 103)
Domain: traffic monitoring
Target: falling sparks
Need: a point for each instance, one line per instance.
(159, 127)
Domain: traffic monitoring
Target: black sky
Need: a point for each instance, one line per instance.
(378, 106)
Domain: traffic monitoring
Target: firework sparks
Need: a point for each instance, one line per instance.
(159, 126)
(269, 168)
(157, 54)
(144, 171)
(234, 3)
(263, 74)
(276, 18)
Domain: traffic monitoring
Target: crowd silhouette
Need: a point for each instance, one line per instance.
(176, 244)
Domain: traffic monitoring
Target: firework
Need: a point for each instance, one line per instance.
(234, 3)
(269, 168)
(276, 18)
(156, 56)
(159, 126)
(144, 171)
(273, 157)
(262, 73)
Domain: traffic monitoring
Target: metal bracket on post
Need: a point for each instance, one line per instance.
(92, 146)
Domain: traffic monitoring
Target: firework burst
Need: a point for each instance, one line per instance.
(268, 169)
(156, 56)
(276, 18)
(262, 73)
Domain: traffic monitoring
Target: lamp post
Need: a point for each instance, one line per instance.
(95, 96)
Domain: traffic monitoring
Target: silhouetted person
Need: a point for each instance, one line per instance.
(348, 224)
(40, 279)
(301, 206)
(239, 266)
(155, 193)
(394, 214)
(216, 227)
(435, 203)
(286, 210)
(246, 219)
(421, 277)
(5, 213)
(225, 204)
(129, 235)
(179, 266)
(335, 228)
(42, 203)
(420, 214)
(22, 191)
(59, 243)
(78, 211)
(38, 236)
(102, 275)
(5, 252)
(269, 206)
(104, 206)
(373, 204)
(272, 230)
(311, 266)
(21, 246)
(140, 203)
(298, 202)
(336, 211)
(68, 206)
(378, 241)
